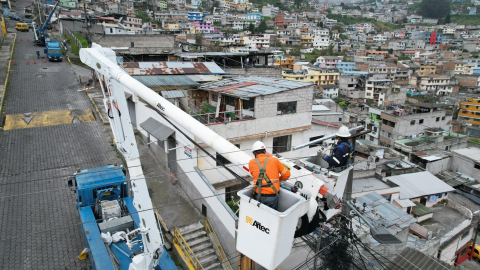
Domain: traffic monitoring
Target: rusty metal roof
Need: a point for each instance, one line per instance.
(165, 80)
(431, 155)
(252, 86)
(171, 68)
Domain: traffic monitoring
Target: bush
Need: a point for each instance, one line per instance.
(233, 205)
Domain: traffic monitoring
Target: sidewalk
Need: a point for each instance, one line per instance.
(5, 52)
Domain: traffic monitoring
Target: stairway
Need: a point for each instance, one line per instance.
(201, 245)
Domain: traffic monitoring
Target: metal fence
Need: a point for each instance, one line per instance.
(68, 33)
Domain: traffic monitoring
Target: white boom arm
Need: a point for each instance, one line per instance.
(125, 140)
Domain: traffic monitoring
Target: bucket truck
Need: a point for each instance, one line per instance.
(304, 198)
(42, 33)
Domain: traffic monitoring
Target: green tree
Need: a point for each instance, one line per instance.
(199, 39)
(371, 9)
(379, 48)
(330, 49)
(434, 8)
(262, 27)
(298, 3)
(251, 28)
(448, 19)
(390, 51)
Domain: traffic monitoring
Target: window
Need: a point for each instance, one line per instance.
(438, 119)
(230, 101)
(316, 144)
(249, 104)
(412, 122)
(476, 166)
(282, 144)
(214, 97)
(420, 121)
(286, 107)
(340, 119)
(443, 118)
(372, 138)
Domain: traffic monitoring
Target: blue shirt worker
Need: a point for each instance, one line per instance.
(343, 150)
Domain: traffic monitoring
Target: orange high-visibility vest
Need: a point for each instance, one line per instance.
(275, 171)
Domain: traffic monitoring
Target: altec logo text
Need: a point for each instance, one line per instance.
(257, 224)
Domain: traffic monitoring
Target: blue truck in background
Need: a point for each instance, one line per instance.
(106, 207)
(52, 50)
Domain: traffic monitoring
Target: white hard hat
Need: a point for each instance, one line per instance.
(258, 145)
(343, 132)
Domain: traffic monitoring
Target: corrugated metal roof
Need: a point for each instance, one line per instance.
(404, 203)
(431, 155)
(172, 94)
(412, 259)
(320, 108)
(165, 68)
(165, 80)
(156, 129)
(381, 212)
(414, 185)
(253, 86)
(203, 78)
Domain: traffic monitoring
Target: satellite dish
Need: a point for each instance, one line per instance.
(371, 160)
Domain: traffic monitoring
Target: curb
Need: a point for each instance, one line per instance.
(8, 74)
(98, 111)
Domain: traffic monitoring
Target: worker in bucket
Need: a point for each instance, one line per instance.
(342, 152)
(267, 173)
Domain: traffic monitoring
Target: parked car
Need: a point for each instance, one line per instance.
(13, 16)
(476, 252)
(21, 27)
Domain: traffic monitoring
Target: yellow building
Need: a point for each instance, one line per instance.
(315, 76)
(284, 62)
(469, 111)
(170, 25)
(307, 41)
(426, 70)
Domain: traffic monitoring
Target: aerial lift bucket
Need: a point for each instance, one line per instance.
(264, 234)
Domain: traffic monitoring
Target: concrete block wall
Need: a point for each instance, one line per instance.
(266, 106)
(438, 166)
(464, 165)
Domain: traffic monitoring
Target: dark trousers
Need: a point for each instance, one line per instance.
(270, 201)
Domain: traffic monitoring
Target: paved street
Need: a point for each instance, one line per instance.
(38, 218)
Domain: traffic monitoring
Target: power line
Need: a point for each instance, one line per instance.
(101, 219)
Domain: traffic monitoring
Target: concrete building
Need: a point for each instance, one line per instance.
(426, 70)
(400, 123)
(327, 61)
(436, 83)
(242, 110)
(389, 69)
(466, 161)
(373, 123)
(352, 86)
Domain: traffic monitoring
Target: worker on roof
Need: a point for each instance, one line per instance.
(267, 173)
(342, 152)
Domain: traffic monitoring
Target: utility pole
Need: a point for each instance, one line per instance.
(39, 12)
